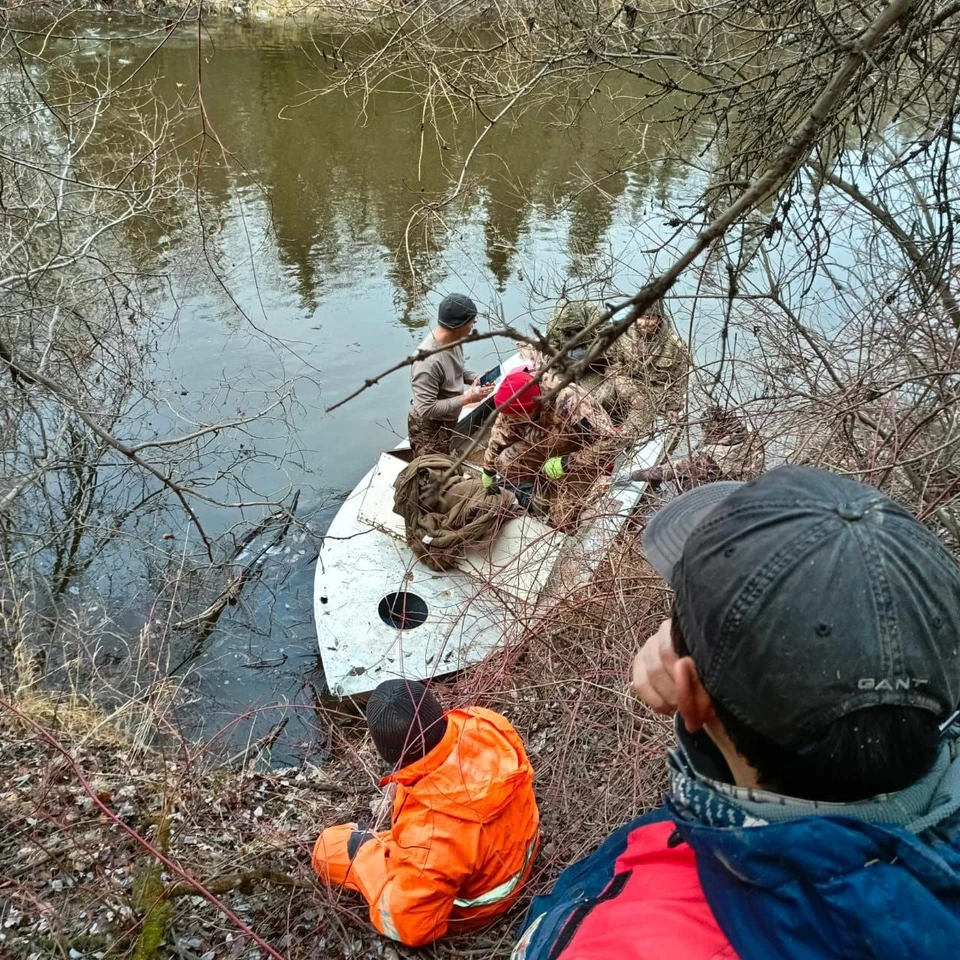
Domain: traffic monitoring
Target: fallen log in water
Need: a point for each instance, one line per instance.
(206, 620)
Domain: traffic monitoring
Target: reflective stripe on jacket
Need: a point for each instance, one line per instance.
(464, 835)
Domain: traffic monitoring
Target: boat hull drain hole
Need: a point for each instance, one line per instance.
(403, 610)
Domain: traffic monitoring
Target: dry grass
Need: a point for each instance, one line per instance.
(87, 810)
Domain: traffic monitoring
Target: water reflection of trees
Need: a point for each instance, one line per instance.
(102, 477)
(332, 177)
(794, 102)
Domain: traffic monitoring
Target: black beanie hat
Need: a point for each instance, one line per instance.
(456, 310)
(406, 721)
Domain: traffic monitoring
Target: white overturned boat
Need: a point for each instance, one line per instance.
(383, 614)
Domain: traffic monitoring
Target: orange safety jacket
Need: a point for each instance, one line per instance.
(464, 835)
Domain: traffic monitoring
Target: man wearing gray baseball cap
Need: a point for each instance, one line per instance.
(813, 662)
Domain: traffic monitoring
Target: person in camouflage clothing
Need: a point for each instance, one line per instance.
(641, 374)
(547, 440)
(730, 451)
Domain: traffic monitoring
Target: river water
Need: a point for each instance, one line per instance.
(307, 201)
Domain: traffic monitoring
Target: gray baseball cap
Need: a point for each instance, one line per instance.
(804, 596)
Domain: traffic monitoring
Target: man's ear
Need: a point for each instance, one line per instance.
(693, 701)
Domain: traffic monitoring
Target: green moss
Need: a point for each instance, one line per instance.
(150, 897)
(153, 931)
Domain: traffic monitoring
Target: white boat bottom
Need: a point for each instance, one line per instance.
(382, 614)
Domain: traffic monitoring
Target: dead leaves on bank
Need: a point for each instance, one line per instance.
(74, 884)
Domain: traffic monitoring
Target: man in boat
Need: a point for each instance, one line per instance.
(465, 824)
(641, 374)
(730, 451)
(536, 438)
(812, 661)
(439, 381)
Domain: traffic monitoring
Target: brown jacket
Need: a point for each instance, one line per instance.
(444, 515)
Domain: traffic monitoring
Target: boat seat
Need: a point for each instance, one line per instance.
(376, 508)
(521, 560)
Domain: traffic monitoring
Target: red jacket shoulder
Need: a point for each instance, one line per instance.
(653, 909)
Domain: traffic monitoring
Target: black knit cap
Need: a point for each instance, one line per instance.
(456, 309)
(406, 721)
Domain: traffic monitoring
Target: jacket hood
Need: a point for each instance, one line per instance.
(880, 878)
(474, 771)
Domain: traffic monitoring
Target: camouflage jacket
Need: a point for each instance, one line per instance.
(571, 421)
(661, 360)
(658, 364)
(742, 460)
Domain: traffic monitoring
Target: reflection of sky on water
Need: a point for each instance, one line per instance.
(308, 225)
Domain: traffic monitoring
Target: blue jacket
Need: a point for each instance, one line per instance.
(724, 872)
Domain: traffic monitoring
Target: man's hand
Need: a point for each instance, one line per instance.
(476, 393)
(652, 679)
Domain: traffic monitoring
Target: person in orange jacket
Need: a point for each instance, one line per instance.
(465, 825)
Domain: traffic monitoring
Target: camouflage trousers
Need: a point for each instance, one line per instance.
(624, 399)
(429, 436)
